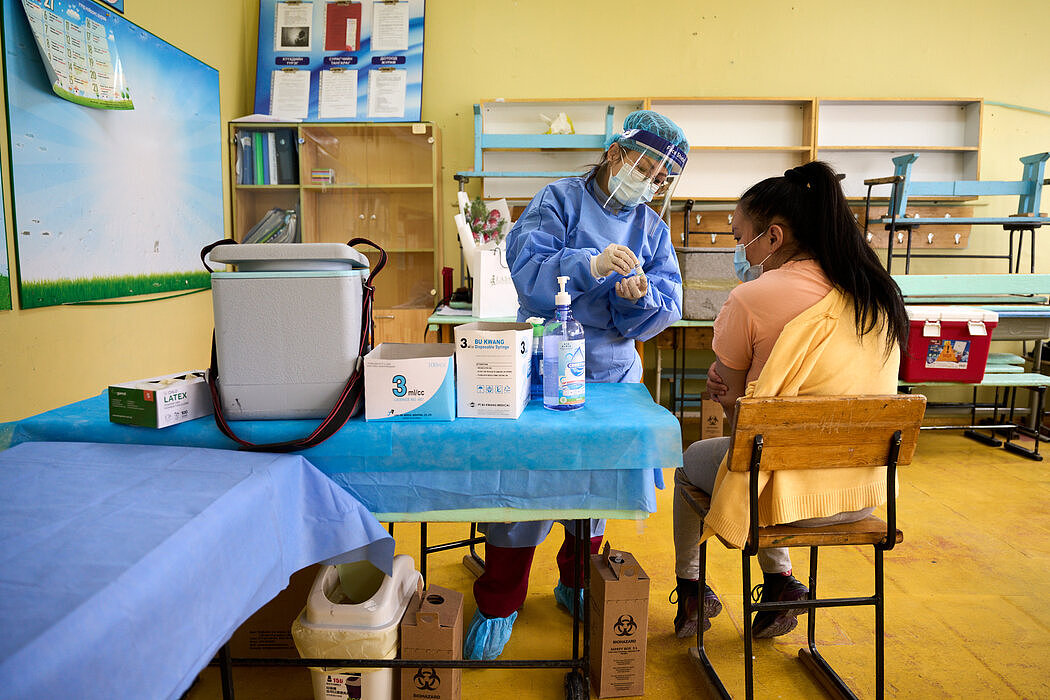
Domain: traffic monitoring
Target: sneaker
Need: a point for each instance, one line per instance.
(774, 623)
(686, 619)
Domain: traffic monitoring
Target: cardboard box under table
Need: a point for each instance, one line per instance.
(947, 343)
(432, 629)
(619, 621)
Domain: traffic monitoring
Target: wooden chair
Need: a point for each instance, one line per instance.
(818, 432)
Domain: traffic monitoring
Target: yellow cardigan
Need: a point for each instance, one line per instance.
(817, 353)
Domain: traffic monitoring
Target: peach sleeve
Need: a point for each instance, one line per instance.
(734, 339)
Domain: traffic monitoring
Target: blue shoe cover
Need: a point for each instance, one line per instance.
(487, 636)
(563, 594)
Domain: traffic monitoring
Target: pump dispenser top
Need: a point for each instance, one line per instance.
(562, 298)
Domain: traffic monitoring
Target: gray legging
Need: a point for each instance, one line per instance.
(700, 467)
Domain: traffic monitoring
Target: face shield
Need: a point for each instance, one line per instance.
(647, 171)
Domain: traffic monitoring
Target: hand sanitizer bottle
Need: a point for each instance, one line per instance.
(536, 385)
(563, 356)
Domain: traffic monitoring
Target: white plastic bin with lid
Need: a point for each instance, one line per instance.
(354, 612)
(287, 327)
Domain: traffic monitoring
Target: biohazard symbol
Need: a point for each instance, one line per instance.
(625, 626)
(426, 679)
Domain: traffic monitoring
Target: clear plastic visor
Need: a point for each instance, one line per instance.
(644, 167)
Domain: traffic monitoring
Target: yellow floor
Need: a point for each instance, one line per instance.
(966, 597)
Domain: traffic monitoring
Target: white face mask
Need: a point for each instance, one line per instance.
(628, 190)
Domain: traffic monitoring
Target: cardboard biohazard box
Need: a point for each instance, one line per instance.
(619, 622)
(432, 629)
(712, 417)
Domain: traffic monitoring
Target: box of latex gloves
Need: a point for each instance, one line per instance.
(160, 401)
(410, 382)
(619, 621)
(493, 365)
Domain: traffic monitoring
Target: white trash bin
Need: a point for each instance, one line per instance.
(287, 327)
(357, 617)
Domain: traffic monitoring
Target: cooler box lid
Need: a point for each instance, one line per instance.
(951, 313)
(259, 257)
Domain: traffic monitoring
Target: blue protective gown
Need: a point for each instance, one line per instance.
(560, 230)
(557, 234)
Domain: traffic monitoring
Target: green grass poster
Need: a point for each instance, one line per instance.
(109, 202)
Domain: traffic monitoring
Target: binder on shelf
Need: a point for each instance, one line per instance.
(287, 157)
(246, 158)
(271, 158)
(258, 140)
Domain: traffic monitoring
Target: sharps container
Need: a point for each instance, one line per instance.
(287, 327)
(947, 343)
(354, 611)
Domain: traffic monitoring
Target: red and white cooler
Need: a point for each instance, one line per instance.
(947, 343)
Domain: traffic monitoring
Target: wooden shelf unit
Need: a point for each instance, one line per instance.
(386, 187)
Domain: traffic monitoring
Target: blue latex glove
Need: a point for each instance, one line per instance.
(563, 594)
(487, 636)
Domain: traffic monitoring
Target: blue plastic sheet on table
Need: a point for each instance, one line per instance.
(389, 467)
(124, 567)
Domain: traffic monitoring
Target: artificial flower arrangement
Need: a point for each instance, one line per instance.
(481, 227)
(489, 226)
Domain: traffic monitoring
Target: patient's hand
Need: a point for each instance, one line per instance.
(716, 386)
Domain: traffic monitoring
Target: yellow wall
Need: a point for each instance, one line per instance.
(537, 49)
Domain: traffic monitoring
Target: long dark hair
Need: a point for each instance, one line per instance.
(809, 200)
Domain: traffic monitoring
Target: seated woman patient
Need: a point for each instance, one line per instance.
(817, 315)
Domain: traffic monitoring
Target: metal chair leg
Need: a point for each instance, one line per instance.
(749, 662)
(810, 656)
(698, 654)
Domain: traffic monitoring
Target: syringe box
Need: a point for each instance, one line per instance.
(160, 401)
(493, 369)
(410, 382)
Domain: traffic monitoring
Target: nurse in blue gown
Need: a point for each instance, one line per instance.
(625, 286)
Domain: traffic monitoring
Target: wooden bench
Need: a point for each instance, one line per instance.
(1028, 217)
(1023, 304)
(814, 432)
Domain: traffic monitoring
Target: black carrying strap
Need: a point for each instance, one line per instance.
(351, 398)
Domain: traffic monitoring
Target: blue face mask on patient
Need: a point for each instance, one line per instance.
(745, 271)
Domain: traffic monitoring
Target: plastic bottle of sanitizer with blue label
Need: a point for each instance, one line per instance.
(563, 357)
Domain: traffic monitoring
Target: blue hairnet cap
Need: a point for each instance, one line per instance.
(658, 124)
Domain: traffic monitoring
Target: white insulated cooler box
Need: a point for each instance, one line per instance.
(287, 327)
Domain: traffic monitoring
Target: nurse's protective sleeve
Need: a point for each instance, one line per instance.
(539, 254)
(661, 306)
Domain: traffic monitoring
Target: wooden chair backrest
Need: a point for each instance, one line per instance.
(825, 432)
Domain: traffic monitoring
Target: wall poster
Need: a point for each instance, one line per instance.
(110, 202)
(340, 60)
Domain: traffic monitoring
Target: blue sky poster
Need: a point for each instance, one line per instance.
(111, 203)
